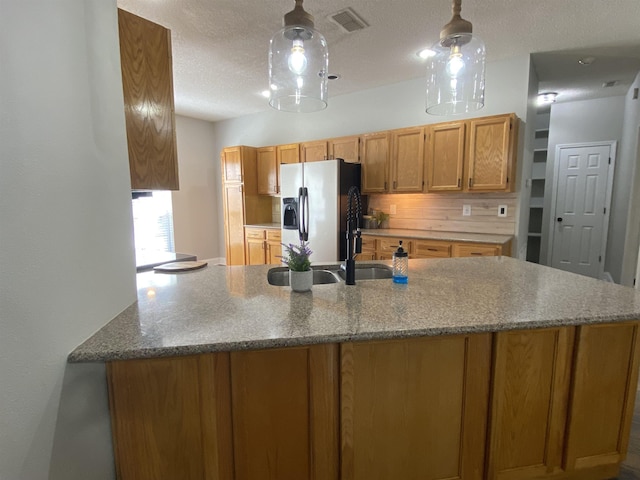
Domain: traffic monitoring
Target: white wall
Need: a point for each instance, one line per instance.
(579, 122)
(630, 152)
(66, 256)
(195, 206)
(393, 106)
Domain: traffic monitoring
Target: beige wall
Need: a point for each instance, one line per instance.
(196, 213)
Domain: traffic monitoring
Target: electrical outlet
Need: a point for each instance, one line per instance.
(392, 209)
(466, 210)
(502, 210)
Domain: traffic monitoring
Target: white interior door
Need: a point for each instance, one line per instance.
(582, 198)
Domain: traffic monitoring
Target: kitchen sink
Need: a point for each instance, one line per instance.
(332, 274)
(369, 272)
(280, 277)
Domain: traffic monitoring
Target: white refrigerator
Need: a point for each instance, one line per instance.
(314, 205)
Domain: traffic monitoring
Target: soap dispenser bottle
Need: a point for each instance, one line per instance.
(400, 265)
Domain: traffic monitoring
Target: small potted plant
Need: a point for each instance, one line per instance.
(297, 259)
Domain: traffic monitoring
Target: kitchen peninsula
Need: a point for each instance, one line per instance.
(479, 368)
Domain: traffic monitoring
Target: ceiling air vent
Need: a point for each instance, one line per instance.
(348, 20)
(609, 84)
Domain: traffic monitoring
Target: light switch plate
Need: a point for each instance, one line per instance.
(466, 210)
(392, 209)
(502, 210)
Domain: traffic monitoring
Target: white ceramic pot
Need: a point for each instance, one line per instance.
(301, 281)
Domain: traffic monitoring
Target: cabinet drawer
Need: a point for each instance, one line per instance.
(368, 243)
(390, 245)
(254, 233)
(274, 235)
(475, 250)
(428, 248)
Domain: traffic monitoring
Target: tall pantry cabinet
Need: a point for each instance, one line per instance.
(241, 202)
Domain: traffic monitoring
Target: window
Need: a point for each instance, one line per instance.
(152, 223)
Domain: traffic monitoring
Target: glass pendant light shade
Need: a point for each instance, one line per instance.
(455, 74)
(298, 65)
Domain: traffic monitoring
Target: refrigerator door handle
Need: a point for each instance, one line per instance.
(300, 214)
(306, 214)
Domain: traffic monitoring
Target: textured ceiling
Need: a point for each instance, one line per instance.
(220, 46)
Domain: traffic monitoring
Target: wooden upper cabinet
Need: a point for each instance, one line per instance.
(289, 153)
(375, 162)
(233, 201)
(491, 153)
(445, 157)
(268, 171)
(347, 148)
(147, 84)
(407, 160)
(231, 158)
(313, 151)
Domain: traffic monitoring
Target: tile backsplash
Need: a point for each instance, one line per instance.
(445, 212)
(275, 209)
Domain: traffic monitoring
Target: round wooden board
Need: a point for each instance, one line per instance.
(174, 267)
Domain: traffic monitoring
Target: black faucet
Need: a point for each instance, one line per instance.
(353, 232)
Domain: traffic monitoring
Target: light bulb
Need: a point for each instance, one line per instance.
(297, 60)
(455, 64)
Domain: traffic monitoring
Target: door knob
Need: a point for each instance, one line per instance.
(559, 219)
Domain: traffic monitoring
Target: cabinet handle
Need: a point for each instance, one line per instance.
(432, 249)
(470, 181)
(459, 182)
(385, 185)
(476, 253)
(240, 188)
(395, 184)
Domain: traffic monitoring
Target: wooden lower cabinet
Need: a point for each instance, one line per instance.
(262, 246)
(415, 408)
(553, 403)
(562, 402)
(383, 248)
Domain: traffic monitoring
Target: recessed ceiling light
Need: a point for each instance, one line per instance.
(546, 98)
(611, 83)
(586, 61)
(425, 53)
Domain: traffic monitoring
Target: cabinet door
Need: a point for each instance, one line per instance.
(530, 391)
(147, 79)
(267, 171)
(347, 148)
(274, 247)
(604, 390)
(285, 413)
(231, 158)
(255, 248)
(171, 417)
(313, 151)
(288, 153)
(375, 162)
(407, 160)
(490, 153)
(415, 408)
(445, 157)
(475, 250)
(234, 223)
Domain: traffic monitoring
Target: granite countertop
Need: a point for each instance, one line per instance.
(264, 225)
(222, 308)
(437, 235)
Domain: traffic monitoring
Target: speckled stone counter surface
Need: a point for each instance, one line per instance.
(264, 225)
(232, 308)
(435, 235)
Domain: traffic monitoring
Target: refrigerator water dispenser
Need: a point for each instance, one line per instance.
(290, 213)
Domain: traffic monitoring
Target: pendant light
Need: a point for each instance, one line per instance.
(455, 74)
(298, 65)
